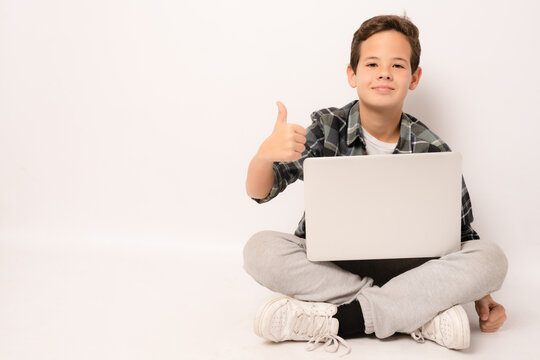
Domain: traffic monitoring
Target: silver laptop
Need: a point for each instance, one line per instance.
(382, 206)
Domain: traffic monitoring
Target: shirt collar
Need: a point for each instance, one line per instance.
(354, 131)
(405, 142)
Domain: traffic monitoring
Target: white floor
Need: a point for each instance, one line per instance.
(165, 301)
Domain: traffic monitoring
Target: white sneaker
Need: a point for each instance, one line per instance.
(450, 329)
(284, 318)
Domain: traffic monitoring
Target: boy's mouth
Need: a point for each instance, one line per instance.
(382, 89)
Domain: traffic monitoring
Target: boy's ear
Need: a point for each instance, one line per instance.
(351, 76)
(415, 78)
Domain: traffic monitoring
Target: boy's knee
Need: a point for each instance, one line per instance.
(496, 256)
(494, 261)
(255, 251)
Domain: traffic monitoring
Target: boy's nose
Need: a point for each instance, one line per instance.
(384, 76)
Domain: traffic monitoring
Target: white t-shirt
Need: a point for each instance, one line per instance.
(375, 146)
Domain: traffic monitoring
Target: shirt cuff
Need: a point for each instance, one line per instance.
(275, 188)
(468, 233)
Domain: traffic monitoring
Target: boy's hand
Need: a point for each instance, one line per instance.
(286, 143)
(492, 315)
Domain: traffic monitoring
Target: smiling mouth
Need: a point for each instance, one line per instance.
(382, 89)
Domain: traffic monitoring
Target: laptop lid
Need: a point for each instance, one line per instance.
(382, 206)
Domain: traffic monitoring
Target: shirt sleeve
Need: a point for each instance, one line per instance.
(286, 173)
(424, 140)
(467, 232)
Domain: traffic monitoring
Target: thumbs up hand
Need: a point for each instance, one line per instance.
(286, 143)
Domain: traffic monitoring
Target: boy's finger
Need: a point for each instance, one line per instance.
(497, 314)
(490, 330)
(299, 138)
(483, 312)
(491, 327)
(282, 113)
(299, 148)
(299, 129)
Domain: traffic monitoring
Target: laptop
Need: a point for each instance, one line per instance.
(382, 206)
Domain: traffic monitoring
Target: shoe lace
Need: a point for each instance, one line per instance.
(428, 331)
(317, 328)
(331, 343)
(418, 336)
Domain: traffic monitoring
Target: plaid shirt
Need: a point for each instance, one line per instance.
(337, 132)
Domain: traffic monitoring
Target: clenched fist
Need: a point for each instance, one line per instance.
(492, 315)
(286, 143)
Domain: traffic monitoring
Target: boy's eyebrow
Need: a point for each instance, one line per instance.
(376, 58)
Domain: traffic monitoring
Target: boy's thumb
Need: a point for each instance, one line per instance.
(282, 113)
(484, 313)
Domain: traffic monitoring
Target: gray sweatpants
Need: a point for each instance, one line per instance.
(278, 261)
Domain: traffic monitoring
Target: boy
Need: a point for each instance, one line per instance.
(328, 301)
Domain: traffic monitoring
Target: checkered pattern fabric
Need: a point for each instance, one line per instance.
(337, 132)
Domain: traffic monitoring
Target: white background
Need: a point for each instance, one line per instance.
(132, 123)
(123, 119)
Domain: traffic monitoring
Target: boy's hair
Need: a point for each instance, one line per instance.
(386, 22)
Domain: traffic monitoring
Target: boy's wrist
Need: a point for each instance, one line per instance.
(263, 159)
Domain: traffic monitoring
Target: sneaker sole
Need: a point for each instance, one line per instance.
(262, 317)
(464, 340)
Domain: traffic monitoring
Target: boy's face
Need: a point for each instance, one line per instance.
(383, 75)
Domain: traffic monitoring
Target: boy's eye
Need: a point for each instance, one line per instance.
(399, 66)
(371, 65)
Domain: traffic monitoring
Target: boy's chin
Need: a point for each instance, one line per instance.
(381, 104)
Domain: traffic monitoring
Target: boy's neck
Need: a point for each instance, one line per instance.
(385, 126)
